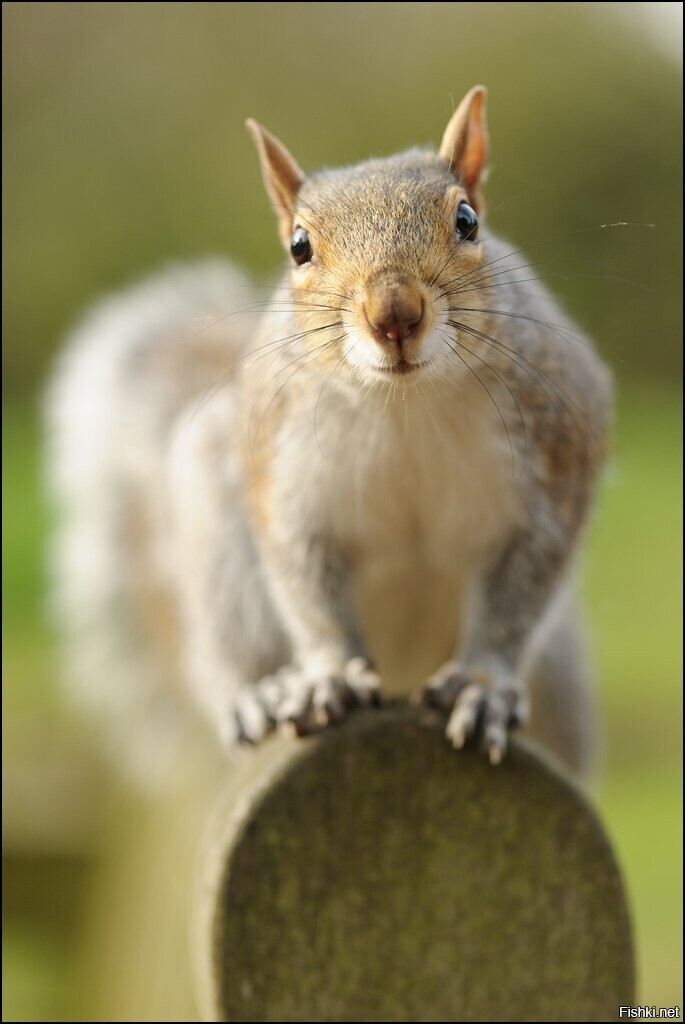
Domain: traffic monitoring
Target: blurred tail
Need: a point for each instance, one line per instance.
(137, 361)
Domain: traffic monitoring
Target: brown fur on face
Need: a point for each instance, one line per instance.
(370, 240)
(382, 235)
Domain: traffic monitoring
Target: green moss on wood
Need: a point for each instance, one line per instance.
(375, 874)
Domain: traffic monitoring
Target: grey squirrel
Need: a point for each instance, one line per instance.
(381, 488)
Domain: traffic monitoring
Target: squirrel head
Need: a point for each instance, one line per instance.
(376, 248)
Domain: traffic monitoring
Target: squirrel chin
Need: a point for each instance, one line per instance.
(402, 368)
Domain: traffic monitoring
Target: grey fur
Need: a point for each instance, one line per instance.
(287, 519)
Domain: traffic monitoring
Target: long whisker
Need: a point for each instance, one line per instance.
(487, 286)
(286, 287)
(487, 279)
(299, 362)
(533, 371)
(436, 425)
(456, 351)
(435, 277)
(288, 340)
(499, 376)
(286, 305)
(545, 241)
(318, 401)
(254, 355)
(555, 328)
(513, 355)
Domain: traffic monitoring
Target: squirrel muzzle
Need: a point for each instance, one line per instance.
(394, 310)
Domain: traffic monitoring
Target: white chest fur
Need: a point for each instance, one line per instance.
(420, 493)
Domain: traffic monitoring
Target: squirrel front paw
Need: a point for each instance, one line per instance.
(482, 703)
(312, 702)
(307, 703)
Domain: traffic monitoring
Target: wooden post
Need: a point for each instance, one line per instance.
(375, 874)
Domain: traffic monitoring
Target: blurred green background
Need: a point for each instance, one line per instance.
(124, 147)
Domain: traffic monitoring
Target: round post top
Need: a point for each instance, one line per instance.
(373, 873)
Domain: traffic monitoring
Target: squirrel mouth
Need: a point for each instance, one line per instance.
(401, 367)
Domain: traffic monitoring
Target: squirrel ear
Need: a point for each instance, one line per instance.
(282, 176)
(465, 142)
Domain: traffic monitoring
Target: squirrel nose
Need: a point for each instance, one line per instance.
(393, 310)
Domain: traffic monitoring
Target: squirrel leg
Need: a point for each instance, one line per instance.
(330, 674)
(563, 718)
(230, 634)
(247, 612)
(485, 691)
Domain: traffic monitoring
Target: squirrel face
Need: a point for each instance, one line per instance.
(375, 247)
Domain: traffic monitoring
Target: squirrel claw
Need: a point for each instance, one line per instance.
(252, 718)
(477, 706)
(444, 687)
(363, 682)
(463, 721)
(292, 700)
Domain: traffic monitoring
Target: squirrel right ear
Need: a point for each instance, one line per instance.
(465, 142)
(282, 177)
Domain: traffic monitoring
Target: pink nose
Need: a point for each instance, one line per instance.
(394, 311)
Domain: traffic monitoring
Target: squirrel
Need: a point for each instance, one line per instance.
(381, 488)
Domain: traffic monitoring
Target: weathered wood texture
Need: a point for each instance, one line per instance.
(375, 874)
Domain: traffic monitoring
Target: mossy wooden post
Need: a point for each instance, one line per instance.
(375, 874)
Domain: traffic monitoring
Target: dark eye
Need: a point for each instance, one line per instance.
(301, 247)
(467, 223)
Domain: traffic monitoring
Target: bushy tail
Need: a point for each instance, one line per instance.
(129, 370)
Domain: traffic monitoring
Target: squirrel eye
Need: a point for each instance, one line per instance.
(467, 223)
(301, 247)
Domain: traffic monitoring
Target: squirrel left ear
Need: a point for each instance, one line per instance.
(282, 177)
(465, 142)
